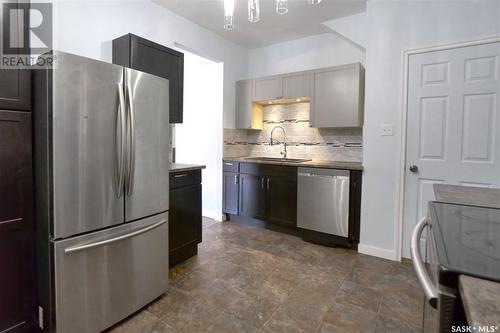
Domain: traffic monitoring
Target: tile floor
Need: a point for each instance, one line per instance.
(248, 279)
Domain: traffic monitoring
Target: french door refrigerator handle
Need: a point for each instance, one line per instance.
(430, 291)
(121, 130)
(78, 248)
(131, 141)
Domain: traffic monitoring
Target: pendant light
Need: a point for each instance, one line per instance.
(229, 14)
(313, 2)
(253, 11)
(281, 6)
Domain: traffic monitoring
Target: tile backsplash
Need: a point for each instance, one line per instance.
(340, 144)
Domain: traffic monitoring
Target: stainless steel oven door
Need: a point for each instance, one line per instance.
(439, 301)
(103, 277)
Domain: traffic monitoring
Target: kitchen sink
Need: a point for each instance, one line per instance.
(278, 159)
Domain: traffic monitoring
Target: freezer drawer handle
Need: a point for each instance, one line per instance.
(429, 290)
(78, 248)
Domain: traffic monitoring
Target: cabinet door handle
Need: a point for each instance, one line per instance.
(230, 164)
(235, 179)
(268, 182)
(181, 175)
(262, 182)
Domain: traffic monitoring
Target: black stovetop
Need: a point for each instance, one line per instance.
(467, 239)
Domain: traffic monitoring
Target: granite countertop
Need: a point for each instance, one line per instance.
(465, 195)
(311, 164)
(480, 299)
(179, 167)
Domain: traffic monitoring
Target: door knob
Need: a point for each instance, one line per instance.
(413, 168)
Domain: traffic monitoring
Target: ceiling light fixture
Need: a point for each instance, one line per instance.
(229, 14)
(313, 2)
(253, 11)
(281, 6)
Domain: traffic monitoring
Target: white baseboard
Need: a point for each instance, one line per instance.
(219, 217)
(377, 251)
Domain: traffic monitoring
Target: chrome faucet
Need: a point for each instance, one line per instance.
(271, 142)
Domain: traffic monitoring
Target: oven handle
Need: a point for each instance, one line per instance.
(430, 290)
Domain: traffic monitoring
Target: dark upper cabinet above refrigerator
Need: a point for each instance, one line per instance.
(138, 53)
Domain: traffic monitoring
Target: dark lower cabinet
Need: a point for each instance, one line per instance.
(230, 193)
(281, 203)
(265, 192)
(269, 192)
(144, 55)
(252, 196)
(17, 295)
(185, 221)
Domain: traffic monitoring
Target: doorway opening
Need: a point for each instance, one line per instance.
(198, 140)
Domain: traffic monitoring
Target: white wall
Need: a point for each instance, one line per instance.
(199, 138)
(352, 27)
(302, 54)
(394, 26)
(87, 28)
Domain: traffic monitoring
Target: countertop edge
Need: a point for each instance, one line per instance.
(478, 296)
(465, 195)
(345, 165)
(181, 167)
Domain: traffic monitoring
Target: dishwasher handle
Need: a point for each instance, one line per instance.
(307, 174)
(303, 174)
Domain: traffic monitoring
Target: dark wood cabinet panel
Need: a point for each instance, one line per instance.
(355, 207)
(15, 89)
(281, 201)
(230, 193)
(17, 305)
(15, 84)
(185, 220)
(252, 196)
(141, 54)
(268, 192)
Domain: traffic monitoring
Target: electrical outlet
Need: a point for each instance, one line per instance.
(386, 130)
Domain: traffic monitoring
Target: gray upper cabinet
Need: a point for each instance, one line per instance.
(248, 114)
(285, 86)
(268, 88)
(296, 85)
(337, 97)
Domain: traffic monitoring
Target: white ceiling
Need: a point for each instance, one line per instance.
(301, 20)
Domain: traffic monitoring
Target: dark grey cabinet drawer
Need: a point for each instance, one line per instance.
(186, 178)
(230, 166)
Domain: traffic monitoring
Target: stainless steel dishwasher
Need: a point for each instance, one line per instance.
(323, 201)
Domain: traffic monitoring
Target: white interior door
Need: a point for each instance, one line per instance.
(453, 125)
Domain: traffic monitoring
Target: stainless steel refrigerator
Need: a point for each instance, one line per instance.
(101, 140)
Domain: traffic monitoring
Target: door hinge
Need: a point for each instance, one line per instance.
(40, 317)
